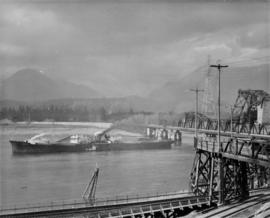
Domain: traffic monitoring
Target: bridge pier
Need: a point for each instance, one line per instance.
(151, 132)
(163, 133)
(244, 190)
(203, 181)
(232, 172)
(177, 136)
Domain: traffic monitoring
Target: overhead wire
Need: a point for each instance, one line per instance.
(248, 59)
(205, 66)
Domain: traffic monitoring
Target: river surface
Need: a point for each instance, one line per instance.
(52, 177)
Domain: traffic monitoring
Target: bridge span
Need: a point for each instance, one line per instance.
(239, 164)
(164, 205)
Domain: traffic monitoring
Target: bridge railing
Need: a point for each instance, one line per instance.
(80, 203)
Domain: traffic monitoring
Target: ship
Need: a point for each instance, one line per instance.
(41, 144)
(82, 143)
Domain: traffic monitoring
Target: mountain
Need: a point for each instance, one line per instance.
(28, 86)
(175, 95)
(31, 85)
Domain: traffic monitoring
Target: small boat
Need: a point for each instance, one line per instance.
(81, 143)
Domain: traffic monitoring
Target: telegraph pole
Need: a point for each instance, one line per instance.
(196, 109)
(231, 110)
(219, 69)
(221, 178)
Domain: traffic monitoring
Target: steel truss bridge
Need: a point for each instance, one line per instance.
(244, 115)
(241, 162)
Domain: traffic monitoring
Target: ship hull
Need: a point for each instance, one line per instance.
(23, 147)
(133, 146)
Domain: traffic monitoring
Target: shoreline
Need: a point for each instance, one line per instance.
(59, 124)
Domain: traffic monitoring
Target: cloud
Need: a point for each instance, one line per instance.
(257, 36)
(132, 46)
(11, 50)
(37, 30)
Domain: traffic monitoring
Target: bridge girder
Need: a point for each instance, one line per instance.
(244, 115)
(204, 123)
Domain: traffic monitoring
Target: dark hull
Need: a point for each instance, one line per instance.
(133, 146)
(22, 147)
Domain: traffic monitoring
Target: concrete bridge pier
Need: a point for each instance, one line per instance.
(151, 132)
(164, 134)
(178, 136)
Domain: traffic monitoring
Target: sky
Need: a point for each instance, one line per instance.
(130, 47)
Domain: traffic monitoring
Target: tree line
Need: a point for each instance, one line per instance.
(64, 113)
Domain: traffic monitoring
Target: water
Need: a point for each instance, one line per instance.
(52, 177)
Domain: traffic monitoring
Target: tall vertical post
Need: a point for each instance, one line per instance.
(196, 117)
(196, 110)
(231, 107)
(211, 178)
(221, 176)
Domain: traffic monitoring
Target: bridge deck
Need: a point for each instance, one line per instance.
(106, 208)
(211, 131)
(241, 152)
(121, 208)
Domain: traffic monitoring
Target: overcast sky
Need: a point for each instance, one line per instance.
(129, 47)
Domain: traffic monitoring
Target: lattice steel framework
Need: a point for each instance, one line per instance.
(244, 115)
(245, 163)
(245, 107)
(225, 125)
(209, 106)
